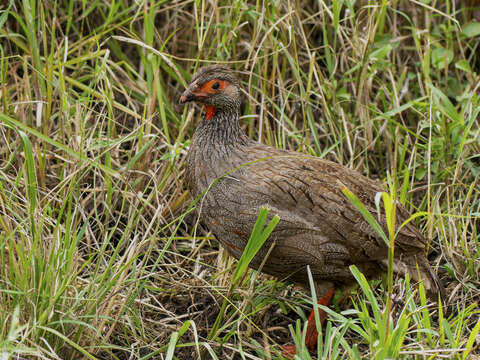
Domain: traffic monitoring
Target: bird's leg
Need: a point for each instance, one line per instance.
(312, 334)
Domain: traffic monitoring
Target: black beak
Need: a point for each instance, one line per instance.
(187, 96)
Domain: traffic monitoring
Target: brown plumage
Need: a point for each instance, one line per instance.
(318, 227)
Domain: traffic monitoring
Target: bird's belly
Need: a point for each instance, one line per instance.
(299, 240)
(292, 246)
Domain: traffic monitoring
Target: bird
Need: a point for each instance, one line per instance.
(319, 227)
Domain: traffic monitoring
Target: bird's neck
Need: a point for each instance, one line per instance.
(221, 128)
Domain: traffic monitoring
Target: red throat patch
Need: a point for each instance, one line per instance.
(209, 111)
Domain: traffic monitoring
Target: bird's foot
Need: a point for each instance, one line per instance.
(311, 336)
(289, 351)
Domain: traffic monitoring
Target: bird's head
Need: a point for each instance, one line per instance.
(216, 87)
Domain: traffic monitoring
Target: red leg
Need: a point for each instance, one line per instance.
(312, 333)
(289, 351)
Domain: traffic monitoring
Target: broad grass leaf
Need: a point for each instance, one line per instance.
(463, 65)
(471, 340)
(366, 214)
(472, 30)
(441, 57)
(259, 235)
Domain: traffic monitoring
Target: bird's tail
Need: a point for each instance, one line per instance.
(429, 277)
(418, 267)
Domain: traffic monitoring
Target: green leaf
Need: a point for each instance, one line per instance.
(425, 311)
(19, 126)
(412, 217)
(367, 290)
(463, 65)
(471, 340)
(366, 214)
(448, 331)
(380, 54)
(388, 204)
(259, 235)
(472, 30)
(185, 326)
(67, 340)
(171, 346)
(398, 109)
(445, 105)
(405, 185)
(30, 169)
(441, 57)
(4, 15)
(210, 351)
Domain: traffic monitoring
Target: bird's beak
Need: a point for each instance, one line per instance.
(186, 96)
(192, 93)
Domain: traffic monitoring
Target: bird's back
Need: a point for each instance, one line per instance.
(319, 226)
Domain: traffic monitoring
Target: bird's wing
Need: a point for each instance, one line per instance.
(306, 192)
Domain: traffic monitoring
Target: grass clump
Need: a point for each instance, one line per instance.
(101, 253)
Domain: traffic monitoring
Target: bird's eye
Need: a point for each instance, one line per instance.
(216, 85)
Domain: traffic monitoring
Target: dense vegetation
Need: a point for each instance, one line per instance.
(101, 254)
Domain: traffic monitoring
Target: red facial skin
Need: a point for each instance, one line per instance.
(206, 90)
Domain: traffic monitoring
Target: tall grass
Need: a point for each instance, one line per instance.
(101, 254)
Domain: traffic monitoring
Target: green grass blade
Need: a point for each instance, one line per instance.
(366, 214)
(15, 124)
(31, 173)
(259, 235)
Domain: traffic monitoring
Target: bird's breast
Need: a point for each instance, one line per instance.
(212, 165)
